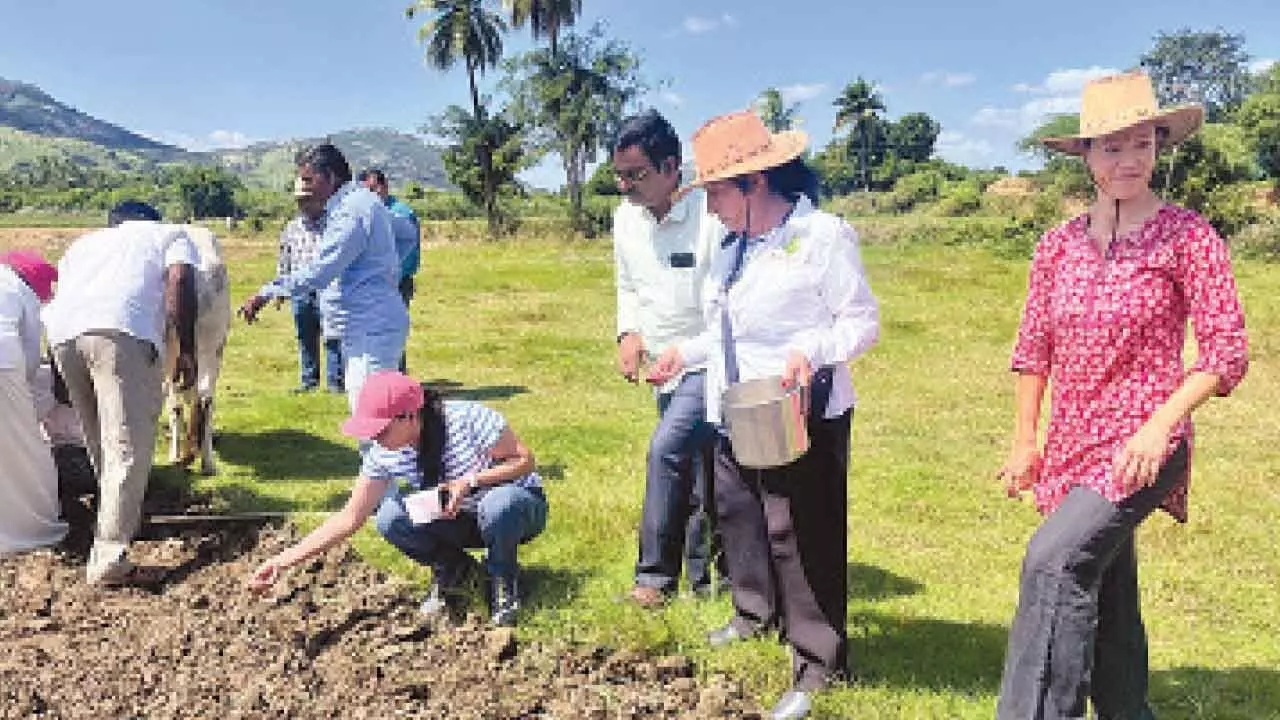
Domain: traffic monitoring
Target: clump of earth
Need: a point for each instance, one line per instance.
(339, 639)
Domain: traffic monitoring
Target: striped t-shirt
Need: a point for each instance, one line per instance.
(471, 432)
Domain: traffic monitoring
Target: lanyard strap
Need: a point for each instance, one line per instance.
(726, 326)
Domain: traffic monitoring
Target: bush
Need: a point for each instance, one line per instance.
(855, 204)
(444, 205)
(597, 215)
(915, 189)
(1259, 241)
(960, 198)
(1231, 208)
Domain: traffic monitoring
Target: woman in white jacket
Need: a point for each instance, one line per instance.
(786, 295)
(28, 478)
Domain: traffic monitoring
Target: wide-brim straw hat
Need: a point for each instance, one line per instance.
(1119, 102)
(739, 144)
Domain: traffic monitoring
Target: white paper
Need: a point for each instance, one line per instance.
(423, 506)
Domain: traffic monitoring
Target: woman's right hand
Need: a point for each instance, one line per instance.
(265, 576)
(668, 365)
(1021, 471)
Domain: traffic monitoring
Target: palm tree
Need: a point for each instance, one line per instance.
(460, 29)
(859, 103)
(858, 97)
(774, 111)
(466, 30)
(545, 17)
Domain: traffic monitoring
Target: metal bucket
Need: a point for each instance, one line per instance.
(766, 422)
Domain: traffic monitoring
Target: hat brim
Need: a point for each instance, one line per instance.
(1182, 122)
(364, 428)
(783, 147)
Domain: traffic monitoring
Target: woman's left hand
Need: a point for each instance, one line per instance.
(797, 374)
(1138, 462)
(458, 490)
(798, 370)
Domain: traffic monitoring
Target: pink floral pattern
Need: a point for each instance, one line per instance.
(1109, 330)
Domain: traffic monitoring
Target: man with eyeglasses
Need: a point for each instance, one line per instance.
(662, 247)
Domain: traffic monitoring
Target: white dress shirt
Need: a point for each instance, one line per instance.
(801, 287)
(19, 324)
(656, 297)
(113, 279)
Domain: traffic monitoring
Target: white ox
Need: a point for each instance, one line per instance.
(191, 412)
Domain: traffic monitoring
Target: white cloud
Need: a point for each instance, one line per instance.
(1058, 93)
(1069, 81)
(671, 98)
(218, 139)
(962, 149)
(1026, 117)
(697, 25)
(1261, 65)
(948, 79)
(228, 139)
(801, 91)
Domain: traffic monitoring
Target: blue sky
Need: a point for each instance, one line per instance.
(214, 73)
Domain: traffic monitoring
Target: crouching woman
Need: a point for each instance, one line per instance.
(460, 451)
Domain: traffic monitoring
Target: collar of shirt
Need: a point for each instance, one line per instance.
(793, 223)
(334, 200)
(678, 213)
(310, 225)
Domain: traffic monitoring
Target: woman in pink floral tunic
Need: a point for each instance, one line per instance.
(1108, 300)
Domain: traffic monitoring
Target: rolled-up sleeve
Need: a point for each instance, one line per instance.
(855, 313)
(1213, 300)
(1033, 348)
(29, 330)
(628, 292)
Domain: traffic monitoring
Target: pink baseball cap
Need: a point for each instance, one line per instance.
(34, 270)
(385, 395)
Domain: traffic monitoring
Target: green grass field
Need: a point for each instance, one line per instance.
(935, 546)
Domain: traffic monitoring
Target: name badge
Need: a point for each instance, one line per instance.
(682, 260)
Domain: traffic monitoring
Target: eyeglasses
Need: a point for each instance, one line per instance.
(632, 176)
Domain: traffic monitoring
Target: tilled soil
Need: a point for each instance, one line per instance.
(339, 639)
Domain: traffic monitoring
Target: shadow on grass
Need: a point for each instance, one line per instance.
(939, 655)
(551, 471)
(454, 390)
(288, 454)
(926, 653)
(550, 587)
(1241, 693)
(868, 582)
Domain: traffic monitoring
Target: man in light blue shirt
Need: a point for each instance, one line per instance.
(358, 249)
(404, 223)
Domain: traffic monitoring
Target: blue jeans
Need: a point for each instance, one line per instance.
(406, 294)
(366, 354)
(504, 517)
(674, 522)
(306, 319)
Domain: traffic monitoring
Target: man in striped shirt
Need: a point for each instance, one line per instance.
(298, 244)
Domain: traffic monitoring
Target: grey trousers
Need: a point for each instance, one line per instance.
(116, 384)
(1078, 630)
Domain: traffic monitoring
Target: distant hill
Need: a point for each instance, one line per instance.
(29, 109)
(18, 148)
(34, 124)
